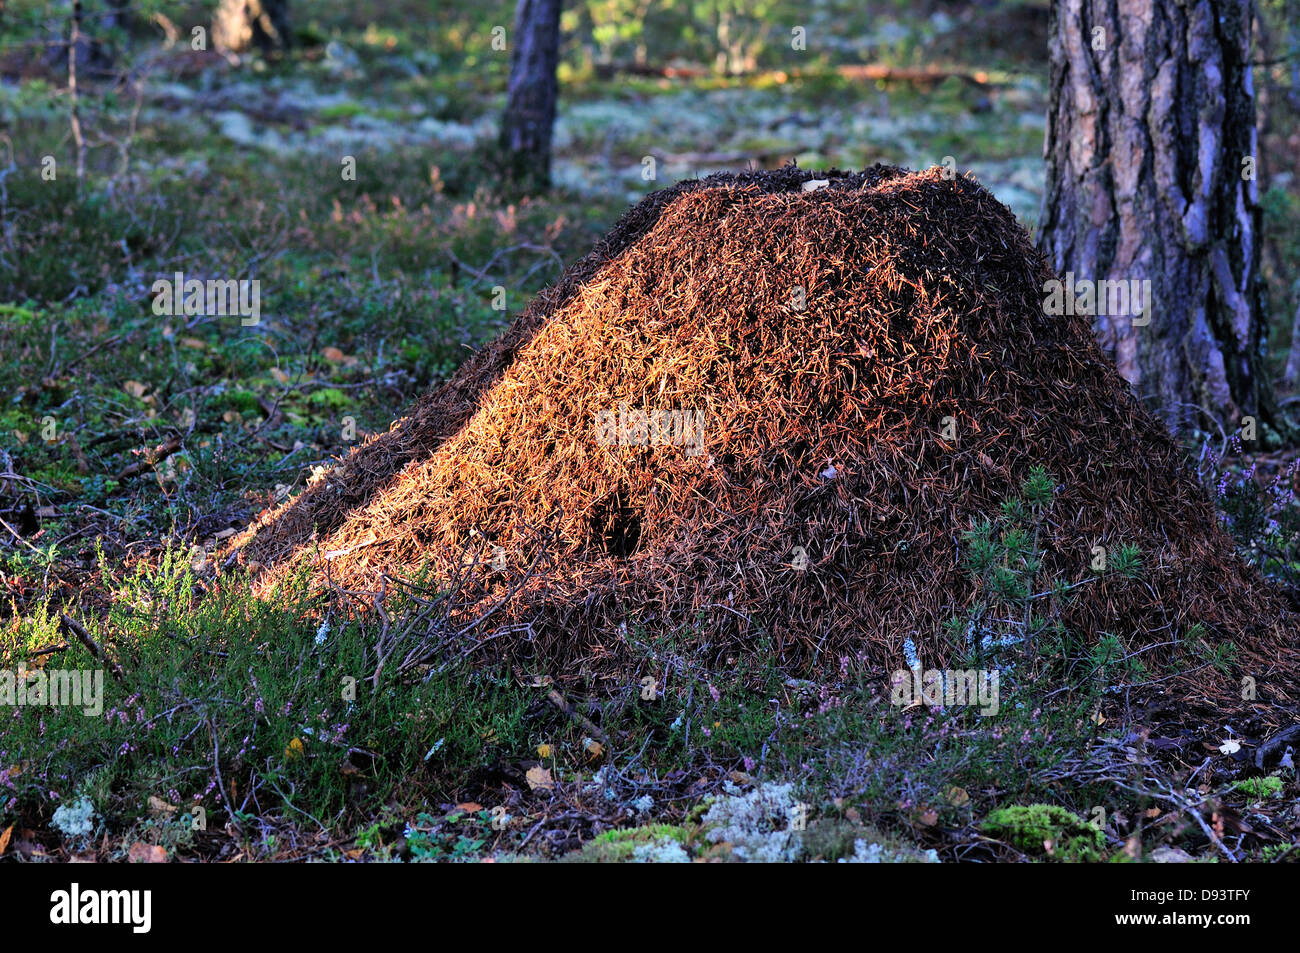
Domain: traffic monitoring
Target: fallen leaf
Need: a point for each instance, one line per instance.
(333, 355)
(470, 807)
(1231, 746)
(594, 748)
(135, 388)
(142, 853)
(1170, 855)
(539, 777)
(4, 839)
(294, 749)
(158, 806)
(957, 796)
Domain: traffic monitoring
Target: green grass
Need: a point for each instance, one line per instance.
(244, 707)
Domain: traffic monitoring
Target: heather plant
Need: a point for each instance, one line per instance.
(1261, 516)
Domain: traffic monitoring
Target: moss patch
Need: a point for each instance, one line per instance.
(619, 847)
(1046, 831)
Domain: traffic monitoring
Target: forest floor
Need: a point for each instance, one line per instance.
(133, 445)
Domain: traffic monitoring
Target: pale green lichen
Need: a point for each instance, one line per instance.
(759, 825)
(75, 819)
(865, 852)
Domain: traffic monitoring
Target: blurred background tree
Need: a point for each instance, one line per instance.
(526, 126)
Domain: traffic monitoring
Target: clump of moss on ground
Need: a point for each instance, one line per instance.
(1048, 832)
(653, 842)
(1259, 788)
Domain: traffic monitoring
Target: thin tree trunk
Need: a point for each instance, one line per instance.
(1147, 178)
(1292, 375)
(74, 44)
(532, 95)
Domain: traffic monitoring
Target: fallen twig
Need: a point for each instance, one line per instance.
(151, 460)
(560, 702)
(77, 629)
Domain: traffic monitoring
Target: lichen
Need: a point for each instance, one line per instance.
(75, 819)
(759, 825)
(870, 852)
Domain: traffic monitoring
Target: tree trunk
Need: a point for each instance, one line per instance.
(531, 98)
(241, 24)
(1150, 152)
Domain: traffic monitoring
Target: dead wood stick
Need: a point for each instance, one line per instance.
(152, 458)
(560, 702)
(79, 630)
(1279, 740)
(47, 650)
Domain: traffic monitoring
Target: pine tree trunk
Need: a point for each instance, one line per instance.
(1150, 151)
(532, 95)
(241, 24)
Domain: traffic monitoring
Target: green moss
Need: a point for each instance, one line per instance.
(1047, 831)
(617, 847)
(341, 111)
(331, 398)
(1259, 788)
(244, 401)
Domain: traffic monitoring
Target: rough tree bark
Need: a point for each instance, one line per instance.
(239, 24)
(529, 116)
(1150, 144)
